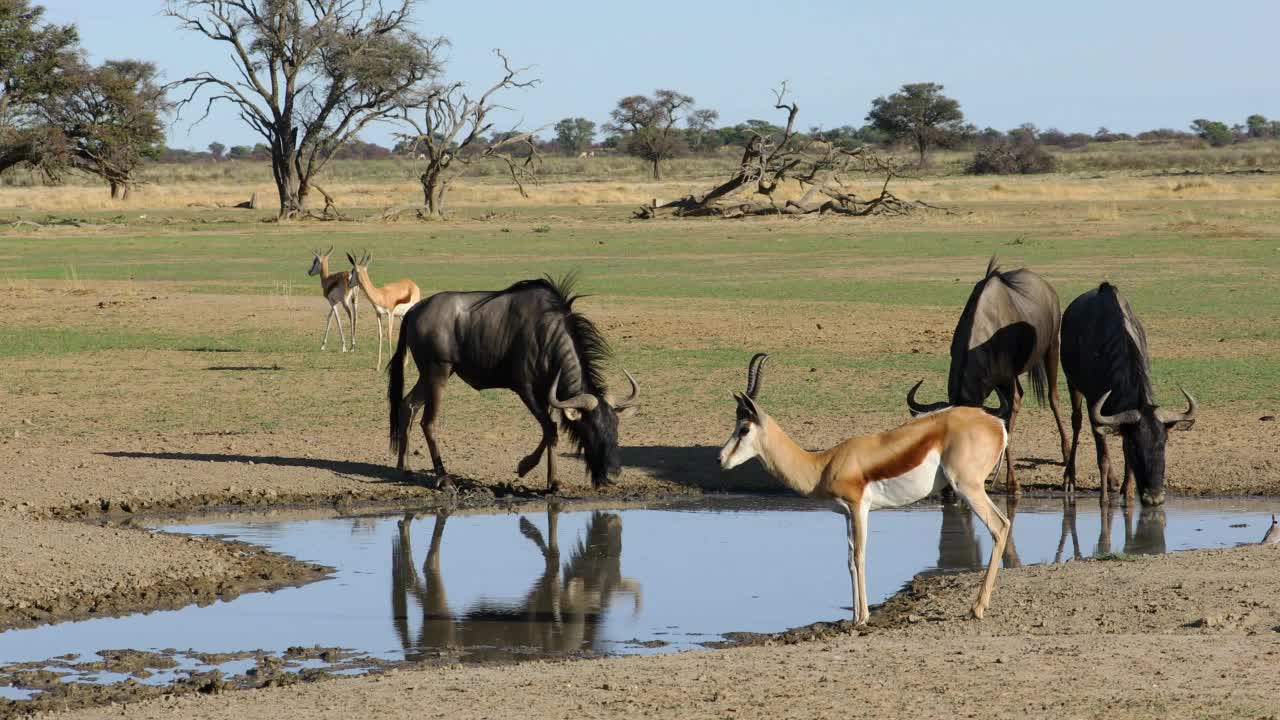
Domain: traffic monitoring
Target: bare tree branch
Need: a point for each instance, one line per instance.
(820, 169)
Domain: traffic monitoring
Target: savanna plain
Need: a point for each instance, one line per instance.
(162, 359)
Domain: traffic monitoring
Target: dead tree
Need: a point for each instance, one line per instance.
(769, 161)
(308, 76)
(449, 129)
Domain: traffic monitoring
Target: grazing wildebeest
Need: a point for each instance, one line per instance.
(527, 339)
(1104, 355)
(1009, 327)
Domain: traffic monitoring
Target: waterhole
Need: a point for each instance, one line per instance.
(567, 581)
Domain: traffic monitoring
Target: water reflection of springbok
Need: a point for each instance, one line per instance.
(560, 613)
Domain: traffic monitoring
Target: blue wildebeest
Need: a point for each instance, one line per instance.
(1104, 355)
(527, 339)
(1009, 327)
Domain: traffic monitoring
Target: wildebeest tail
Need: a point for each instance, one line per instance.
(1039, 382)
(399, 430)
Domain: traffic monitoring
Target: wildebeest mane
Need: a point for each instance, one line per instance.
(591, 347)
(1130, 355)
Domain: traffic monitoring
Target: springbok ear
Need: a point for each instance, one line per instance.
(747, 406)
(1182, 424)
(351, 259)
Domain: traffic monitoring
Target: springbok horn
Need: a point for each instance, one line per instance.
(755, 374)
(631, 399)
(918, 408)
(329, 251)
(1167, 416)
(1124, 418)
(585, 401)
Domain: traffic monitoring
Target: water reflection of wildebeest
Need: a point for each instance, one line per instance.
(1009, 327)
(562, 611)
(527, 339)
(1104, 356)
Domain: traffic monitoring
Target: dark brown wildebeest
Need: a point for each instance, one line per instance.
(1104, 355)
(1009, 327)
(527, 339)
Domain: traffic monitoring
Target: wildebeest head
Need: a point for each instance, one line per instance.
(1145, 432)
(319, 258)
(592, 421)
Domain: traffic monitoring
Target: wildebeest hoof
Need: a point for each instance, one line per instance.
(444, 481)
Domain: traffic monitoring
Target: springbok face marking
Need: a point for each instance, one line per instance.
(744, 441)
(315, 266)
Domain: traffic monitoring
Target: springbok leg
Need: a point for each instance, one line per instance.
(328, 323)
(973, 491)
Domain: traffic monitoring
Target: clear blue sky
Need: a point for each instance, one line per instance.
(1129, 66)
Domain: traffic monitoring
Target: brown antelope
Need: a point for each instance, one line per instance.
(392, 300)
(956, 446)
(338, 289)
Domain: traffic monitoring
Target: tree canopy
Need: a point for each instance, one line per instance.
(309, 75)
(921, 113)
(646, 126)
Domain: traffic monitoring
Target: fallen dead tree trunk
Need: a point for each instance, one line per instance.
(770, 162)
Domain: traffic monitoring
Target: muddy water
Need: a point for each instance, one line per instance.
(565, 581)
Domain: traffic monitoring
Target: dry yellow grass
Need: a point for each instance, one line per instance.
(1102, 193)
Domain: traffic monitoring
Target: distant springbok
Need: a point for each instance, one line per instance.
(391, 301)
(338, 289)
(957, 447)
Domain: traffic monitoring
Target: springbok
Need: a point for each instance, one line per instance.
(956, 446)
(338, 289)
(391, 301)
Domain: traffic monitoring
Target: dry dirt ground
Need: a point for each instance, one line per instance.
(95, 437)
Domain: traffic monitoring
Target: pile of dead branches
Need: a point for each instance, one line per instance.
(770, 161)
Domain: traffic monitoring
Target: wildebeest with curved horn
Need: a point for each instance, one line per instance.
(1104, 355)
(1009, 327)
(527, 339)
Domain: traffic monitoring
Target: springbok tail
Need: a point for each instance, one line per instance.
(398, 434)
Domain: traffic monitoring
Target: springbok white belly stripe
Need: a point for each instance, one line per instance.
(908, 487)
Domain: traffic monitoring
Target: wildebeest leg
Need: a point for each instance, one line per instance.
(1051, 370)
(1106, 510)
(1077, 419)
(1104, 462)
(1015, 392)
(432, 383)
(1126, 488)
(548, 443)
